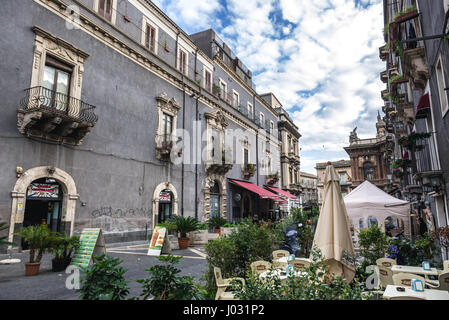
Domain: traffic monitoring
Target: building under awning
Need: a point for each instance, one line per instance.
(423, 107)
(263, 193)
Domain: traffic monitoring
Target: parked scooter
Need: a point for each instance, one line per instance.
(291, 241)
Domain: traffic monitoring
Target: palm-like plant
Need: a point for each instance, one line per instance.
(39, 239)
(184, 225)
(3, 242)
(62, 246)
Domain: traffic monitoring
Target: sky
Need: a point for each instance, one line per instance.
(320, 58)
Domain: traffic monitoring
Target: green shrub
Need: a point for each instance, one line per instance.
(315, 284)
(234, 253)
(3, 242)
(183, 225)
(217, 222)
(104, 280)
(165, 284)
(39, 239)
(373, 244)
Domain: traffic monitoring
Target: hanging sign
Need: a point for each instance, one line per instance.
(165, 196)
(91, 245)
(43, 190)
(159, 242)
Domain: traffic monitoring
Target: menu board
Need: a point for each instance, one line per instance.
(159, 242)
(91, 244)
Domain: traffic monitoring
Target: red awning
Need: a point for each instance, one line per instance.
(423, 106)
(263, 193)
(283, 192)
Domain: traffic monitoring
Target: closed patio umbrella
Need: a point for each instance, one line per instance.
(333, 234)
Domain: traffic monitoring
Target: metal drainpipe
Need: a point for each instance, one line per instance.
(257, 140)
(196, 146)
(183, 128)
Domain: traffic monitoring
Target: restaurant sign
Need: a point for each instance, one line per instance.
(43, 190)
(165, 196)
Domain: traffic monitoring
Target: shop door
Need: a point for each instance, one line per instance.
(165, 206)
(215, 205)
(43, 205)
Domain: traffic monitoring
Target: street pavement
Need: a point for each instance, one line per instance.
(48, 285)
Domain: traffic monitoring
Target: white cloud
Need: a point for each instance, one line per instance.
(326, 47)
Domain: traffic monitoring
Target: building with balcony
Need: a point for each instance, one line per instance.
(343, 168)
(368, 157)
(289, 151)
(114, 117)
(309, 189)
(415, 107)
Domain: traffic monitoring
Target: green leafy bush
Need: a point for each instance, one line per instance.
(165, 284)
(183, 225)
(235, 252)
(217, 222)
(39, 239)
(62, 246)
(104, 280)
(3, 242)
(373, 244)
(315, 284)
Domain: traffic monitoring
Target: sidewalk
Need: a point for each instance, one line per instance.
(48, 285)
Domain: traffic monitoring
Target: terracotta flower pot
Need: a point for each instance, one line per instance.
(32, 268)
(217, 230)
(183, 243)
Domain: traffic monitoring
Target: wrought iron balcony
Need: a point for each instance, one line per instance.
(221, 165)
(55, 116)
(248, 170)
(164, 146)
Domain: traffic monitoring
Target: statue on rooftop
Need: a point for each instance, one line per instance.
(353, 136)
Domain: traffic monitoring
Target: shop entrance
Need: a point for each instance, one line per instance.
(165, 206)
(43, 205)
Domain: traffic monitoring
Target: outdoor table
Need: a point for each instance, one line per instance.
(285, 260)
(282, 275)
(428, 294)
(414, 270)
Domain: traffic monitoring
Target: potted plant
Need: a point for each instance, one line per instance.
(62, 247)
(184, 225)
(38, 237)
(216, 223)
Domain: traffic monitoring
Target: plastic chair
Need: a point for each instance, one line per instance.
(405, 279)
(280, 254)
(300, 264)
(385, 262)
(442, 283)
(260, 266)
(385, 276)
(223, 284)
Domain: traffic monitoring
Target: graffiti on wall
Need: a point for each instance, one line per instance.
(120, 219)
(121, 213)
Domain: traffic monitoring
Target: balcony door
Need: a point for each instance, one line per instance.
(56, 84)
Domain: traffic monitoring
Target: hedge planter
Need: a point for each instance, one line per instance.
(183, 243)
(58, 265)
(32, 268)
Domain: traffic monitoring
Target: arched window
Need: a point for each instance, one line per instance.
(368, 171)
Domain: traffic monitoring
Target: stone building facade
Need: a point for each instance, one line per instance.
(114, 117)
(309, 189)
(367, 157)
(343, 168)
(416, 54)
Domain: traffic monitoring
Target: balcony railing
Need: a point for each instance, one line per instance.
(40, 98)
(55, 116)
(426, 159)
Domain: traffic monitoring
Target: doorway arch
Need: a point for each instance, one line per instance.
(18, 195)
(157, 191)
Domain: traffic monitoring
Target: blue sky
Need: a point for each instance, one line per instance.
(320, 58)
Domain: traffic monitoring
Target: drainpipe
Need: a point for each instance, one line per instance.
(183, 141)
